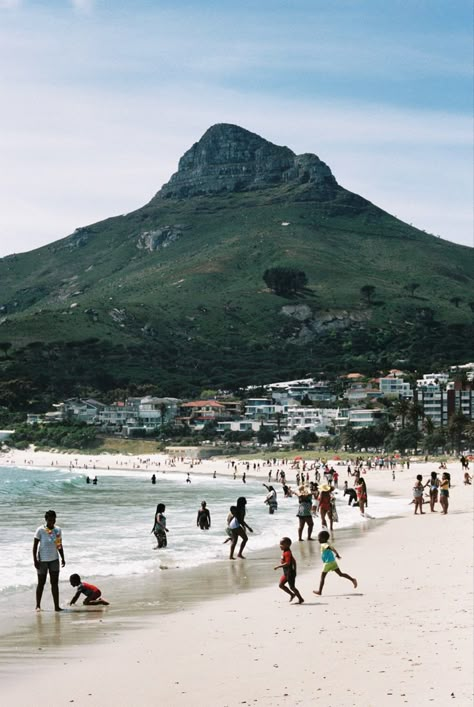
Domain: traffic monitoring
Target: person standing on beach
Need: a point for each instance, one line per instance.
(304, 514)
(328, 556)
(418, 494)
(444, 492)
(47, 548)
(324, 505)
(361, 490)
(288, 565)
(433, 483)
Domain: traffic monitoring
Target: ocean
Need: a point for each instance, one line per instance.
(106, 528)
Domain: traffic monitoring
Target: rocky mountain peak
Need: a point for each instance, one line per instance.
(229, 158)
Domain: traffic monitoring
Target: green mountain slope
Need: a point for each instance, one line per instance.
(174, 293)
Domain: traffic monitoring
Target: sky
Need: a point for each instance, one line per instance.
(100, 98)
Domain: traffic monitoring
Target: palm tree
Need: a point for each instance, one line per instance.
(415, 412)
(428, 425)
(456, 426)
(278, 418)
(402, 409)
(162, 413)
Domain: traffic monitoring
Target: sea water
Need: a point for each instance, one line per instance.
(107, 528)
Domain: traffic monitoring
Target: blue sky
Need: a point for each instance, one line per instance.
(100, 99)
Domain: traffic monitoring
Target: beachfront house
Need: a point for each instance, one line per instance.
(317, 420)
(198, 412)
(263, 408)
(293, 393)
(79, 410)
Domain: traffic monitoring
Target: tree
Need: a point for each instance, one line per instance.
(278, 418)
(306, 401)
(402, 409)
(265, 436)
(5, 346)
(285, 281)
(456, 426)
(456, 301)
(209, 430)
(368, 292)
(412, 287)
(471, 306)
(162, 413)
(303, 438)
(428, 426)
(349, 437)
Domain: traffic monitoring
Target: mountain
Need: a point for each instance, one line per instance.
(173, 293)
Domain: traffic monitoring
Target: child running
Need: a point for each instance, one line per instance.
(328, 556)
(288, 565)
(93, 594)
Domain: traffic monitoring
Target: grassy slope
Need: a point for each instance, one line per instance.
(206, 288)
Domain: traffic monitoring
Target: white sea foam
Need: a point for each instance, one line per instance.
(106, 528)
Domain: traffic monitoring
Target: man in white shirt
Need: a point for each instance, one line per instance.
(47, 547)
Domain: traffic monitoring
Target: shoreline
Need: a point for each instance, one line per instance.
(243, 612)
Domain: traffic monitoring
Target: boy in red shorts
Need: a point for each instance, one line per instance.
(288, 565)
(93, 594)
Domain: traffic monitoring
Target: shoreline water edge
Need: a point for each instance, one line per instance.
(219, 634)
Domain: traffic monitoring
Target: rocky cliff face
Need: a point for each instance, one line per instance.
(229, 159)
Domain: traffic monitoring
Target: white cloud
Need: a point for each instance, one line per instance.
(83, 6)
(10, 4)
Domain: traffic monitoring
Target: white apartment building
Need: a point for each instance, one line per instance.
(433, 379)
(317, 420)
(395, 387)
(263, 408)
(440, 402)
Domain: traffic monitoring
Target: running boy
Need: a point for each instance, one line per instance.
(288, 565)
(93, 594)
(328, 556)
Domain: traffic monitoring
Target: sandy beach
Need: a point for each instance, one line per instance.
(404, 636)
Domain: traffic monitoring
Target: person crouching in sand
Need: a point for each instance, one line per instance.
(328, 556)
(288, 565)
(93, 594)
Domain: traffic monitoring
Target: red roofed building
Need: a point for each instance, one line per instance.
(200, 411)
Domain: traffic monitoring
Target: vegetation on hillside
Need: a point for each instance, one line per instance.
(98, 310)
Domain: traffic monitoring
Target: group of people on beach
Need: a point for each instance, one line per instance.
(437, 489)
(314, 499)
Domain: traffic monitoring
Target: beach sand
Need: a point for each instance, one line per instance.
(403, 637)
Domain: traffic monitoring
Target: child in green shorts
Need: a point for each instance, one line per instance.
(328, 556)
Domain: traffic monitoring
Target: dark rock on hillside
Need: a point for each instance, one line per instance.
(230, 159)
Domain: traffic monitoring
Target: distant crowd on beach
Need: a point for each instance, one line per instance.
(316, 484)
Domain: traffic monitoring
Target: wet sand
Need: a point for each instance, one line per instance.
(225, 635)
